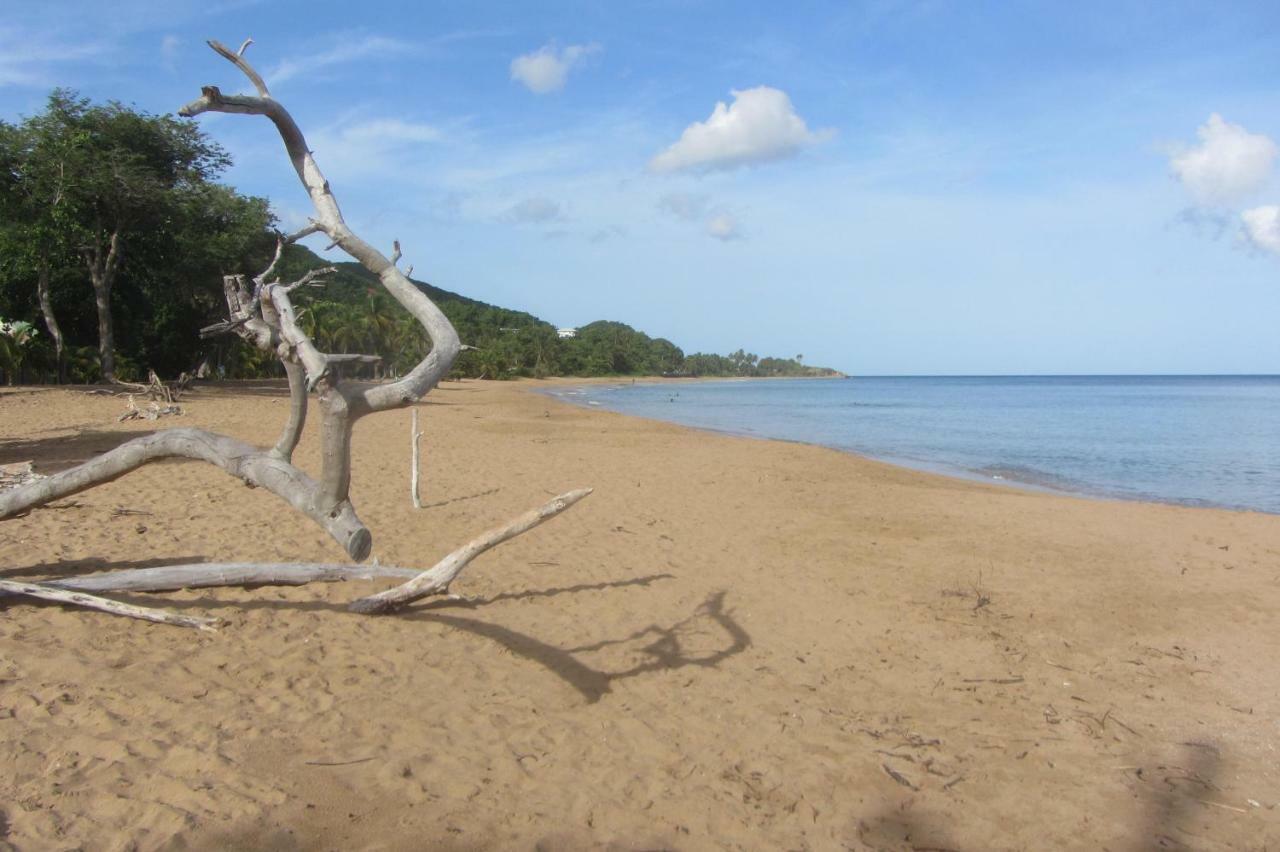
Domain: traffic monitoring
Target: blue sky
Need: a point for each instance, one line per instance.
(888, 188)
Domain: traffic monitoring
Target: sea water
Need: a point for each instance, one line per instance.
(1197, 440)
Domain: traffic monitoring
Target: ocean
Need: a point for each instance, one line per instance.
(1194, 440)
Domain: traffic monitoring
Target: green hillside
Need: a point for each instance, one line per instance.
(352, 313)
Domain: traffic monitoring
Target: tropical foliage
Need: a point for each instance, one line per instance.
(115, 235)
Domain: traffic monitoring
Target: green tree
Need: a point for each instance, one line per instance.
(131, 195)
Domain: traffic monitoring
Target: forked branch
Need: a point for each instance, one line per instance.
(264, 317)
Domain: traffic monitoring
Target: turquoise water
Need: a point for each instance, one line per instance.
(1198, 440)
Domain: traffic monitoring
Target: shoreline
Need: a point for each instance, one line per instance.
(917, 466)
(912, 658)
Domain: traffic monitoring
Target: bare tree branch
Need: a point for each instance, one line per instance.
(436, 580)
(161, 616)
(202, 575)
(256, 467)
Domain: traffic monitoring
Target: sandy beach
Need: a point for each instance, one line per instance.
(732, 644)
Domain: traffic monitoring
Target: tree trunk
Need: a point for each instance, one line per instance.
(102, 272)
(46, 308)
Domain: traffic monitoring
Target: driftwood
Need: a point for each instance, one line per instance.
(203, 575)
(162, 616)
(261, 312)
(415, 438)
(436, 580)
(265, 317)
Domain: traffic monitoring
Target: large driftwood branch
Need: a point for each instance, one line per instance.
(292, 433)
(203, 575)
(264, 317)
(422, 378)
(161, 616)
(436, 580)
(254, 466)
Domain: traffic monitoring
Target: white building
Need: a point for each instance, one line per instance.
(566, 333)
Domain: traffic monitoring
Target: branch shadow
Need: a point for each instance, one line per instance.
(1181, 790)
(58, 453)
(528, 594)
(476, 496)
(93, 565)
(666, 651)
(204, 603)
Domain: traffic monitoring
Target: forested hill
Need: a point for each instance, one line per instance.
(508, 343)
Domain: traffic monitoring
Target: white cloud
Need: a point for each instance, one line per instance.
(1229, 164)
(546, 69)
(683, 205)
(534, 211)
(760, 125)
(1262, 227)
(349, 50)
(170, 46)
(29, 59)
(724, 227)
(390, 147)
(385, 132)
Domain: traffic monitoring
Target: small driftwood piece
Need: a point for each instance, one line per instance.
(416, 439)
(154, 411)
(436, 580)
(160, 616)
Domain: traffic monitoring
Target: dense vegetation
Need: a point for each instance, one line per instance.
(115, 235)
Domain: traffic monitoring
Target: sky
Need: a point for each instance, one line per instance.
(887, 188)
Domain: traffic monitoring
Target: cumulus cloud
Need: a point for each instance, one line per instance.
(546, 69)
(1262, 227)
(724, 227)
(683, 205)
(536, 210)
(1229, 164)
(760, 125)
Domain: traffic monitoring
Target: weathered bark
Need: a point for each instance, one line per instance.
(436, 580)
(50, 321)
(445, 344)
(161, 616)
(288, 442)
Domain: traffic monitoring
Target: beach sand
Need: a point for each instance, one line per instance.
(733, 643)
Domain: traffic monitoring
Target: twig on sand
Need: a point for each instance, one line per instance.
(1224, 807)
(899, 777)
(337, 762)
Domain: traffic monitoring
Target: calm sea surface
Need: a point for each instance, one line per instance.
(1200, 440)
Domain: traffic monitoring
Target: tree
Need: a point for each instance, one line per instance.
(128, 197)
(37, 168)
(266, 317)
